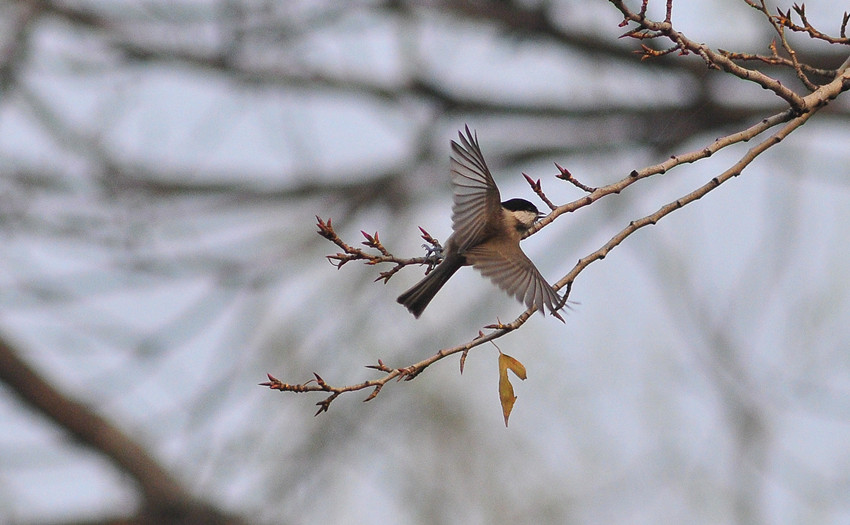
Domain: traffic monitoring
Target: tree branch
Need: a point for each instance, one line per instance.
(650, 29)
(165, 499)
(809, 105)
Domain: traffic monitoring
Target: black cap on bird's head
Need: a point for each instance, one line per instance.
(521, 205)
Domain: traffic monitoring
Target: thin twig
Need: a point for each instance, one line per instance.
(351, 253)
(538, 189)
(712, 58)
(779, 27)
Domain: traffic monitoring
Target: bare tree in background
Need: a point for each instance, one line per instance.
(162, 163)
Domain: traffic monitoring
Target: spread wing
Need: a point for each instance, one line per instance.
(511, 270)
(476, 196)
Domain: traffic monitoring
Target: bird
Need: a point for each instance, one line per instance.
(485, 235)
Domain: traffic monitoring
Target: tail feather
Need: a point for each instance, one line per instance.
(418, 297)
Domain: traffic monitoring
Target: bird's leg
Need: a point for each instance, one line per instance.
(433, 255)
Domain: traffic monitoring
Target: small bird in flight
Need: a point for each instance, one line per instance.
(486, 235)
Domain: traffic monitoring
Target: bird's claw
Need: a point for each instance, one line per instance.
(433, 255)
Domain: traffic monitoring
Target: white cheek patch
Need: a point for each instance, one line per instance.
(527, 218)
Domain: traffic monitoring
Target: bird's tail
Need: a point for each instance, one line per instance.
(418, 297)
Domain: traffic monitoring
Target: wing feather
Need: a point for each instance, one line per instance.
(512, 271)
(476, 197)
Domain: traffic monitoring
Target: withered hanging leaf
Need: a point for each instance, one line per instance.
(506, 389)
(506, 395)
(513, 365)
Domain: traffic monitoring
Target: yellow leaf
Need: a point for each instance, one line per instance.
(513, 365)
(506, 389)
